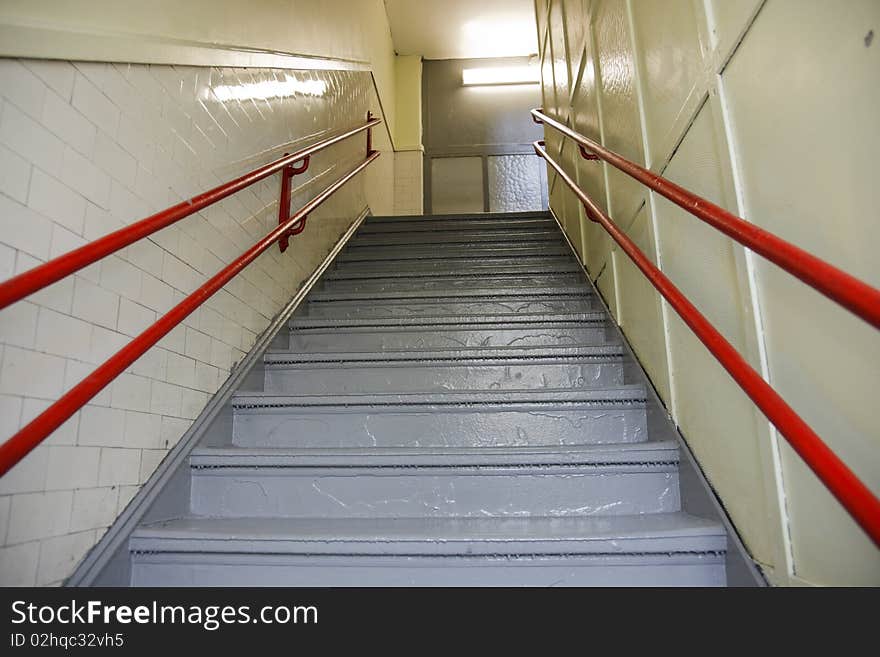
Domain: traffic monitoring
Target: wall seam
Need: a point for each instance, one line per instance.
(775, 450)
(651, 206)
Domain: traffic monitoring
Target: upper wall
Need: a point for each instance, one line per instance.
(478, 152)
(408, 110)
(207, 32)
(459, 117)
(728, 98)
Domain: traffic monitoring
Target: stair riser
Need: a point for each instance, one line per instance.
(431, 492)
(385, 308)
(455, 225)
(463, 237)
(436, 252)
(462, 295)
(310, 571)
(429, 426)
(311, 341)
(418, 270)
(435, 376)
(452, 284)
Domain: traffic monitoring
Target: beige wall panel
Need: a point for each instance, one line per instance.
(670, 65)
(605, 280)
(557, 196)
(548, 89)
(541, 9)
(620, 112)
(824, 198)
(640, 316)
(573, 225)
(722, 426)
(728, 20)
(576, 24)
(591, 174)
(559, 49)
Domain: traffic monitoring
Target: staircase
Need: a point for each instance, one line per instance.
(452, 406)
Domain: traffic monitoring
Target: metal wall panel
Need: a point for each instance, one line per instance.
(620, 111)
(724, 95)
(729, 438)
(823, 198)
(671, 67)
(456, 185)
(639, 312)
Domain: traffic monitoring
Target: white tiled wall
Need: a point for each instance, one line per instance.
(84, 149)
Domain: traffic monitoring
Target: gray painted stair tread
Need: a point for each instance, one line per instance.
(467, 226)
(523, 305)
(465, 355)
(572, 291)
(660, 452)
(457, 321)
(395, 254)
(488, 217)
(413, 270)
(461, 237)
(450, 284)
(547, 260)
(546, 396)
(475, 368)
(635, 534)
(446, 408)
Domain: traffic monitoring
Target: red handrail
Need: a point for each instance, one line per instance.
(33, 280)
(851, 293)
(29, 436)
(856, 498)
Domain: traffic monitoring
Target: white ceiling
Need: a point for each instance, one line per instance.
(459, 29)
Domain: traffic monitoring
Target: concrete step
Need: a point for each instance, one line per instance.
(392, 255)
(509, 235)
(663, 549)
(310, 335)
(488, 418)
(440, 482)
(427, 307)
(451, 284)
(476, 368)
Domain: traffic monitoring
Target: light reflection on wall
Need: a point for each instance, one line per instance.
(265, 89)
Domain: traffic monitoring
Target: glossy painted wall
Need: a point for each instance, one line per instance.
(408, 167)
(288, 34)
(205, 32)
(728, 98)
(86, 148)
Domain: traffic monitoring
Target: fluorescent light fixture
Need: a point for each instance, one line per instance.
(501, 75)
(266, 89)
